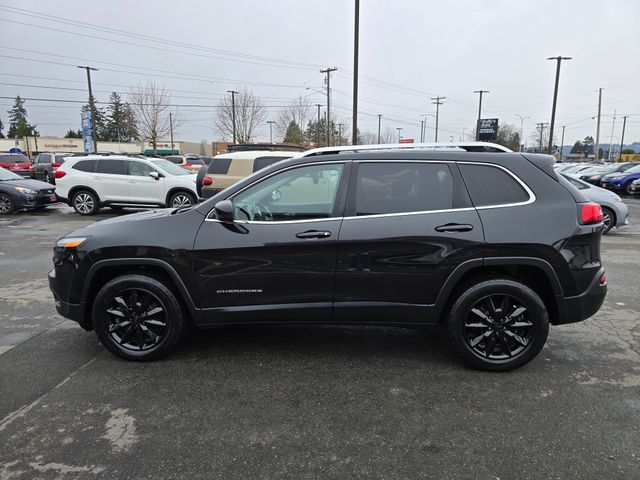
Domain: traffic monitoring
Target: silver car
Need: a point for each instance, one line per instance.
(616, 213)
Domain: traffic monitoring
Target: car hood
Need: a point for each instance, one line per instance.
(27, 183)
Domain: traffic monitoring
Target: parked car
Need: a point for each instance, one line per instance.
(615, 212)
(191, 163)
(18, 193)
(621, 181)
(594, 177)
(117, 181)
(16, 163)
(227, 168)
(350, 235)
(634, 188)
(45, 164)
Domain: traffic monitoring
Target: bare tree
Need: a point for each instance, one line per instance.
(386, 136)
(151, 106)
(299, 111)
(250, 113)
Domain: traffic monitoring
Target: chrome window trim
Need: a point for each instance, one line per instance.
(532, 196)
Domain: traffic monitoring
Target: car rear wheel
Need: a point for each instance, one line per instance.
(138, 318)
(6, 204)
(85, 202)
(498, 324)
(181, 199)
(609, 219)
(47, 178)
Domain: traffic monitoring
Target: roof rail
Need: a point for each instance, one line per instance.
(443, 146)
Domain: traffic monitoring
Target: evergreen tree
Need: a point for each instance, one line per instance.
(312, 132)
(1, 127)
(293, 134)
(97, 119)
(120, 124)
(73, 134)
(18, 124)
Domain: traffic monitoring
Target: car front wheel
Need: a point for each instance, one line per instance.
(6, 204)
(498, 324)
(138, 318)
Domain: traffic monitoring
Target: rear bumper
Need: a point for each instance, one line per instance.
(579, 308)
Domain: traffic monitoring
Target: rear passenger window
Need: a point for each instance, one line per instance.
(492, 186)
(219, 166)
(85, 165)
(113, 167)
(263, 162)
(403, 187)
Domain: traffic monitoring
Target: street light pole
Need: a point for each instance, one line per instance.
(399, 130)
(597, 149)
(379, 123)
(521, 117)
(558, 59)
(356, 30)
(624, 126)
(562, 141)
(421, 131)
(613, 126)
(318, 124)
(92, 106)
(270, 122)
(479, 112)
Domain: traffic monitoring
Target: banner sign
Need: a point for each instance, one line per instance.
(406, 140)
(87, 134)
(487, 129)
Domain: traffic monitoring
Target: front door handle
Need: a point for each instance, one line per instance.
(454, 228)
(313, 234)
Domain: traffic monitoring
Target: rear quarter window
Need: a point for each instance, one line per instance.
(219, 166)
(489, 186)
(111, 166)
(85, 165)
(262, 162)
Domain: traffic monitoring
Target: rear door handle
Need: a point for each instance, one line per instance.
(454, 228)
(313, 234)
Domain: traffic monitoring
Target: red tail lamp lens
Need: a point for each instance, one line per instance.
(207, 181)
(59, 174)
(591, 213)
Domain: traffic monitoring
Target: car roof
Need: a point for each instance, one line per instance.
(253, 154)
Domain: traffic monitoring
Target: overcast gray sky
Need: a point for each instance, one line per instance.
(409, 51)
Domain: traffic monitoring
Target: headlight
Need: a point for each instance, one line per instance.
(26, 191)
(71, 242)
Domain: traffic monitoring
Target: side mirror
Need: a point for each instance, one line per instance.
(224, 210)
(155, 175)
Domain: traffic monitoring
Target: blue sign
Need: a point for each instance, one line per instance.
(87, 133)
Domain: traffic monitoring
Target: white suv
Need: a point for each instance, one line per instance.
(116, 181)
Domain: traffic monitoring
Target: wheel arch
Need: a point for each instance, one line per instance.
(175, 190)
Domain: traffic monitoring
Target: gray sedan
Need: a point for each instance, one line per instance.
(616, 213)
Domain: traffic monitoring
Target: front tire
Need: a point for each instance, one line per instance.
(7, 205)
(609, 219)
(85, 202)
(181, 199)
(138, 318)
(498, 324)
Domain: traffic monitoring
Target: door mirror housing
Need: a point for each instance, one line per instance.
(224, 210)
(155, 175)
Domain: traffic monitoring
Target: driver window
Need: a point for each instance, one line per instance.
(298, 194)
(139, 169)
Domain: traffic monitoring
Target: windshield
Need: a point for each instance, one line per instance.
(630, 167)
(195, 161)
(635, 169)
(7, 175)
(170, 168)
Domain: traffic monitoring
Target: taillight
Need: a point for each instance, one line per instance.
(59, 174)
(590, 213)
(188, 165)
(55, 165)
(603, 280)
(207, 181)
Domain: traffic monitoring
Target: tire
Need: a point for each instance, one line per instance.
(609, 219)
(47, 178)
(181, 199)
(7, 206)
(502, 345)
(140, 339)
(85, 202)
(627, 189)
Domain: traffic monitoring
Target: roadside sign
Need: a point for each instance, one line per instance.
(487, 129)
(406, 140)
(87, 134)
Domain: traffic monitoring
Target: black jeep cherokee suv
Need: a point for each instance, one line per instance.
(493, 246)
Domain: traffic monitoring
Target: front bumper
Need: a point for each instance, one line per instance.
(585, 305)
(71, 311)
(24, 201)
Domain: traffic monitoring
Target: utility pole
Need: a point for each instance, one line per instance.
(92, 106)
(328, 71)
(541, 126)
(318, 124)
(356, 31)
(399, 130)
(624, 126)
(562, 141)
(521, 117)
(233, 112)
(479, 112)
(558, 59)
(613, 126)
(379, 123)
(270, 122)
(437, 103)
(340, 125)
(597, 149)
(171, 130)
(421, 131)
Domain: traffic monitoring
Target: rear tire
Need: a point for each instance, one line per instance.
(609, 219)
(85, 202)
(182, 199)
(7, 206)
(498, 324)
(138, 318)
(47, 178)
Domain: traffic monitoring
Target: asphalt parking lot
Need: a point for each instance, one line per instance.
(310, 402)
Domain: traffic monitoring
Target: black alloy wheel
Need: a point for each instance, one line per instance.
(6, 204)
(137, 317)
(498, 324)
